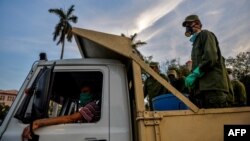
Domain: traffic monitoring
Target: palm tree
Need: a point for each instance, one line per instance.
(135, 44)
(63, 27)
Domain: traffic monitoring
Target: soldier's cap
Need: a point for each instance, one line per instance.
(172, 72)
(190, 18)
(152, 64)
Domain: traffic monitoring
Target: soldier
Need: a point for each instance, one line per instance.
(176, 81)
(152, 87)
(240, 96)
(208, 79)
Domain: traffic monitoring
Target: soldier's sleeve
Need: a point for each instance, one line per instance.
(210, 52)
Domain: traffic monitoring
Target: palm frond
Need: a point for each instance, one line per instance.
(58, 12)
(70, 10)
(132, 37)
(69, 36)
(140, 43)
(68, 32)
(123, 35)
(58, 28)
(73, 19)
(62, 37)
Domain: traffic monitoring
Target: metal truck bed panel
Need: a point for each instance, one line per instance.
(184, 125)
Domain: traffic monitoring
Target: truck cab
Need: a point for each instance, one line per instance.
(112, 68)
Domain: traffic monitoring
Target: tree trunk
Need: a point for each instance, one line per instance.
(62, 50)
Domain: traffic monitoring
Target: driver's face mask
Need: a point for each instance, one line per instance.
(85, 98)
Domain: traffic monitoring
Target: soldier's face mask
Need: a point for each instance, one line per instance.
(192, 39)
(189, 31)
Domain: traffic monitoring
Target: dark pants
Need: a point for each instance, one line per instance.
(211, 99)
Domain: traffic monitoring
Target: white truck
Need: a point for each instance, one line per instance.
(113, 69)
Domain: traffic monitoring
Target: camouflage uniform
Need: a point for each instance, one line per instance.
(153, 88)
(213, 86)
(212, 89)
(240, 96)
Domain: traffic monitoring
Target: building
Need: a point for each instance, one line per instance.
(7, 96)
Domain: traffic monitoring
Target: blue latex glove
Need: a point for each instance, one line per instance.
(190, 79)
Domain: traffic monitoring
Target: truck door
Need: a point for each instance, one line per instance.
(56, 93)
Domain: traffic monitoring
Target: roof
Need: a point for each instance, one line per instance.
(8, 92)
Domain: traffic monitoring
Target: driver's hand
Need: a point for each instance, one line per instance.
(26, 133)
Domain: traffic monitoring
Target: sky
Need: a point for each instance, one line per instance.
(26, 29)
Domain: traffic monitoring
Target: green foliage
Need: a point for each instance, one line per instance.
(3, 111)
(240, 65)
(63, 28)
(135, 44)
(174, 64)
(147, 60)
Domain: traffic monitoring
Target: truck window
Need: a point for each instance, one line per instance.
(66, 89)
(58, 94)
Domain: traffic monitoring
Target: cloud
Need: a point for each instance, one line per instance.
(213, 13)
(153, 13)
(134, 18)
(165, 36)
